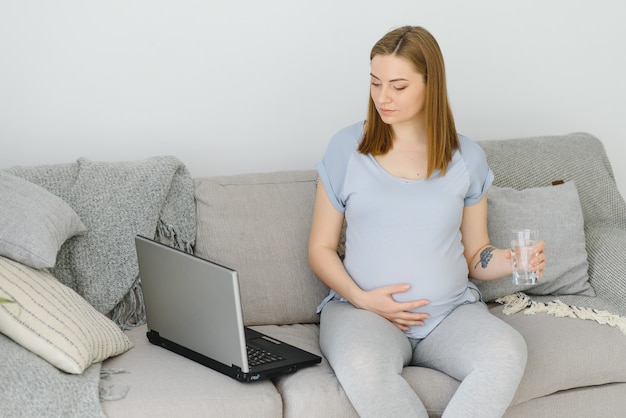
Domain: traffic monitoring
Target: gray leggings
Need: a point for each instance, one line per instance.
(368, 353)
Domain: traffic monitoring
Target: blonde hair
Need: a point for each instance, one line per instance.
(419, 47)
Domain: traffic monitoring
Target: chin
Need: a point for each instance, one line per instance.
(389, 120)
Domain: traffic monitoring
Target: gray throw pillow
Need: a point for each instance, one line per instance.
(258, 224)
(35, 223)
(555, 211)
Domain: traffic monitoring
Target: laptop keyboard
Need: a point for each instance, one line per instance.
(257, 357)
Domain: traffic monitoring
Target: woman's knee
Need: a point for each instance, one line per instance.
(513, 348)
(506, 353)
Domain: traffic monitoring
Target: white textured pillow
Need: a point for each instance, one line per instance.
(35, 223)
(54, 322)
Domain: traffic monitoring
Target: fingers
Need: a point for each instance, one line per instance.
(405, 315)
(395, 306)
(539, 260)
(401, 314)
(406, 320)
(412, 318)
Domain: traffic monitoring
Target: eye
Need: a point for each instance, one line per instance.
(398, 88)
(375, 83)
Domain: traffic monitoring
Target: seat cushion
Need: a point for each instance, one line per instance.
(591, 401)
(313, 392)
(564, 354)
(163, 384)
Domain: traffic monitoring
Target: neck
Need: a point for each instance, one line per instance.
(409, 134)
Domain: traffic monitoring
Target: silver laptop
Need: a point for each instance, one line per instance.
(193, 308)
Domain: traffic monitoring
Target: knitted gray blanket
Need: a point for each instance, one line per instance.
(32, 387)
(116, 201)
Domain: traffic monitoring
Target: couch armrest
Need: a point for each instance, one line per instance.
(606, 247)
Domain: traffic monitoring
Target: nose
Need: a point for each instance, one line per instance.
(382, 95)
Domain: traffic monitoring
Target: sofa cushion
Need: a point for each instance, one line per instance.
(563, 354)
(258, 224)
(589, 401)
(313, 391)
(316, 392)
(35, 223)
(160, 383)
(566, 353)
(555, 212)
(54, 322)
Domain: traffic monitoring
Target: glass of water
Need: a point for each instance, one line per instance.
(522, 252)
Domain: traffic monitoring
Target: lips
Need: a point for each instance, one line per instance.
(386, 112)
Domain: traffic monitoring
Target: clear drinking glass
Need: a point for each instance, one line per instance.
(522, 251)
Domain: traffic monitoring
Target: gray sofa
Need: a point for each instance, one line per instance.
(259, 224)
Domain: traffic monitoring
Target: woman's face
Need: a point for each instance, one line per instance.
(397, 90)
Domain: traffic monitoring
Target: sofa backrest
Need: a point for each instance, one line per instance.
(579, 157)
(259, 225)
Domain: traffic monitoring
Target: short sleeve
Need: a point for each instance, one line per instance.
(480, 174)
(334, 165)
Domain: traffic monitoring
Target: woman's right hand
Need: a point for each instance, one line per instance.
(381, 301)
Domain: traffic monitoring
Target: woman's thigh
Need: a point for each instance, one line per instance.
(348, 334)
(469, 338)
(487, 355)
(367, 354)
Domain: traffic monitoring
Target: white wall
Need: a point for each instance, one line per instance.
(237, 86)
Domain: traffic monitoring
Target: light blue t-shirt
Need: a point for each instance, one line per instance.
(402, 231)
